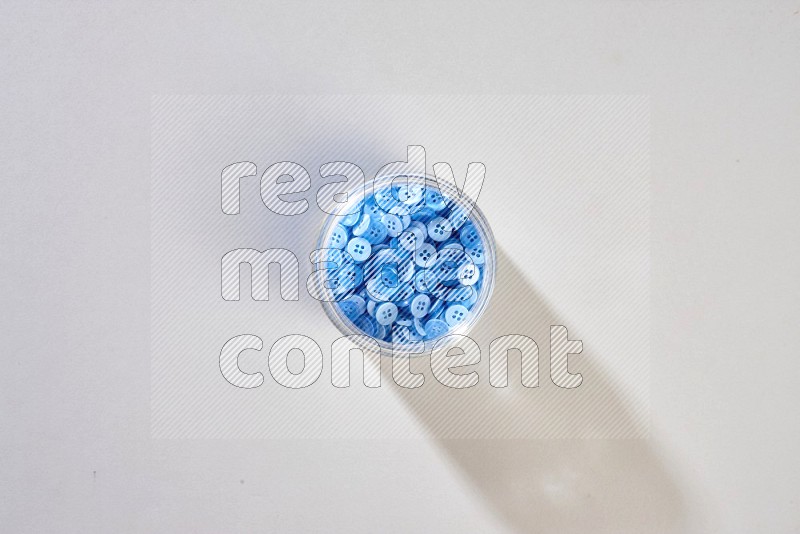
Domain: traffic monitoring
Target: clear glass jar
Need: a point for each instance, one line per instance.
(357, 196)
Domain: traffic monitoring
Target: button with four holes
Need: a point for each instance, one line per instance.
(338, 237)
(353, 306)
(359, 248)
(420, 305)
(423, 254)
(440, 229)
(455, 314)
(393, 224)
(386, 313)
(435, 328)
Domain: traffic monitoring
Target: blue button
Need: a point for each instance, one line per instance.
(476, 254)
(469, 236)
(359, 248)
(434, 200)
(411, 239)
(469, 274)
(363, 224)
(435, 328)
(386, 313)
(423, 254)
(376, 232)
(456, 314)
(402, 214)
(419, 282)
(348, 277)
(393, 224)
(339, 237)
(440, 229)
(419, 328)
(420, 305)
(389, 276)
(353, 306)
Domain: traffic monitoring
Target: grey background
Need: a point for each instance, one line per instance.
(76, 449)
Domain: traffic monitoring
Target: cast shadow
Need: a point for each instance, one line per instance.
(575, 485)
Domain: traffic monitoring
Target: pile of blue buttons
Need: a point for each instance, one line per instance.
(408, 262)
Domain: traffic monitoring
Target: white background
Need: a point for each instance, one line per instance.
(567, 195)
(76, 85)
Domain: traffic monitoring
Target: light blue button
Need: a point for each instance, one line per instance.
(440, 229)
(469, 274)
(376, 232)
(373, 209)
(379, 259)
(401, 334)
(384, 199)
(339, 237)
(353, 306)
(410, 194)
(378, 291)
(469, 236)
(435, 328)
(434, 200)
(389, 276)
(456, 314)
(476, 253)
(420, 305)
(402, 214)
(371, 307)
(405, 269)
(383, 331)
(470, 302)
(419, 328)
(422, 227)
(359, 248)
(393, 224)
(386, 313)
(332, 258)
(423, 254)
(411, 239)
(413, 335)
(347, 278)
(419, 282)
(363, 224)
